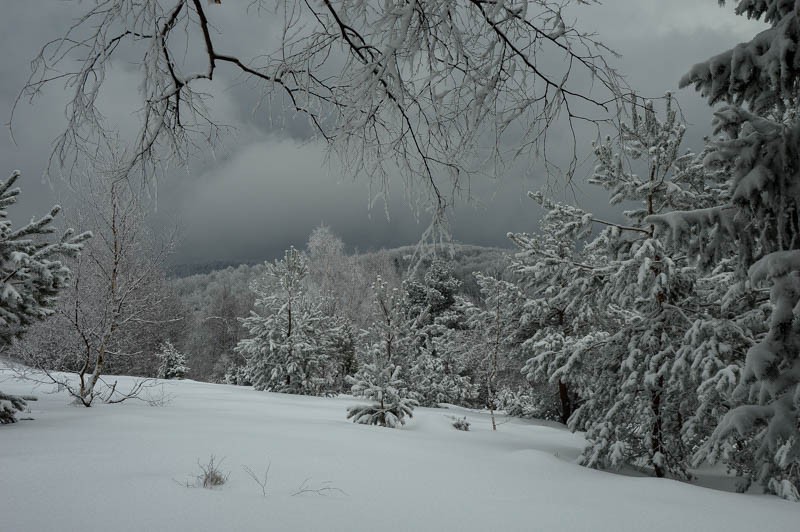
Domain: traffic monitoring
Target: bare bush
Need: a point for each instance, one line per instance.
(210, 476)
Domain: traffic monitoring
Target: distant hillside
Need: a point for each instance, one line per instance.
(464, 259)
(202, 268)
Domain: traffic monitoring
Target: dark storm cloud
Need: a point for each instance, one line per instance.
(268, 185)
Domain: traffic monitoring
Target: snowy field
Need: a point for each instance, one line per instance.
(124, 468)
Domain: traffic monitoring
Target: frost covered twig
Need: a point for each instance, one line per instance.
(324, 489)
(428, 89)
(260, 480)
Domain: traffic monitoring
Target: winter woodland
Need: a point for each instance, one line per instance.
(667, 335)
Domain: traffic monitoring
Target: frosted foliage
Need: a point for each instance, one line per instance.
(381, 384)
(390, 84)
(559, 284)
(761, 73)
(434, 318)
(9, 406)
(172, 363)
(607, 316)
(427, 299)
(758, 148)
(285, 350)
(32, 275)
(768, 392)
(496, 324)
(379, 377)
(436, 379)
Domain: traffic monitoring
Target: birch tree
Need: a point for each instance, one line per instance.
(116, 298)
(428, 89)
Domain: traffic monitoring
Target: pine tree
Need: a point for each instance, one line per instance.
(434, 313)
(31, 275)
(378, 379)
(285, 351)
(623, 298)
(172, 362)
(560, 283)
(9, 406)
(380, 382)
(759, 140)
(635, 413)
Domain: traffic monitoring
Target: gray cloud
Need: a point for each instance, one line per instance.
(267, 187)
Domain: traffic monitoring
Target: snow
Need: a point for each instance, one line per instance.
(121, 467)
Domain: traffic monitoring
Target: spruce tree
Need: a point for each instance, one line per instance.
(379, 376)
(32, 275)
(758, 133)
(172, 363)
(285, 351)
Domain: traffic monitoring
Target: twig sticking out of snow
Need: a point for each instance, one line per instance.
(325, 489)
(260, 480)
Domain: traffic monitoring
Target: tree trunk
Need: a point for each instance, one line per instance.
(657, 436)
(566, 402)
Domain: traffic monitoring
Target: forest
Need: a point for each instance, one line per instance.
(664, 332)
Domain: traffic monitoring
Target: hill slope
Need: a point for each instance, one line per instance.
(115, 467)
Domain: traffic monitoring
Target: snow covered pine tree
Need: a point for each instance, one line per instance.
(434, 313)
(173, 362)
(759, 81)
(378, 379)
(286, 350)
(31, 277)
(627, 293)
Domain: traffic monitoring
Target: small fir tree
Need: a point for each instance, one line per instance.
(380, 383)
(378, 378)
(172, 363)
(9, 406)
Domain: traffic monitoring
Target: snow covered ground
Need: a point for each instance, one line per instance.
(124, 468)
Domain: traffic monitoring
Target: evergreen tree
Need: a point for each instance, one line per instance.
(340, 344)
(759, 141)
(378, 379)
(560, 284)
(434, 314)
(635, 290)
(32, 276)
(380, 383)
(635, 414)
(285, 351)
(172, 363)
(9, 406)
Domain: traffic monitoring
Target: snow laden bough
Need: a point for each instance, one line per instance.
(757, 134)
(9, 406)
(31, 276)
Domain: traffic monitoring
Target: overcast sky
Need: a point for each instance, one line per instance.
(267, 188)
